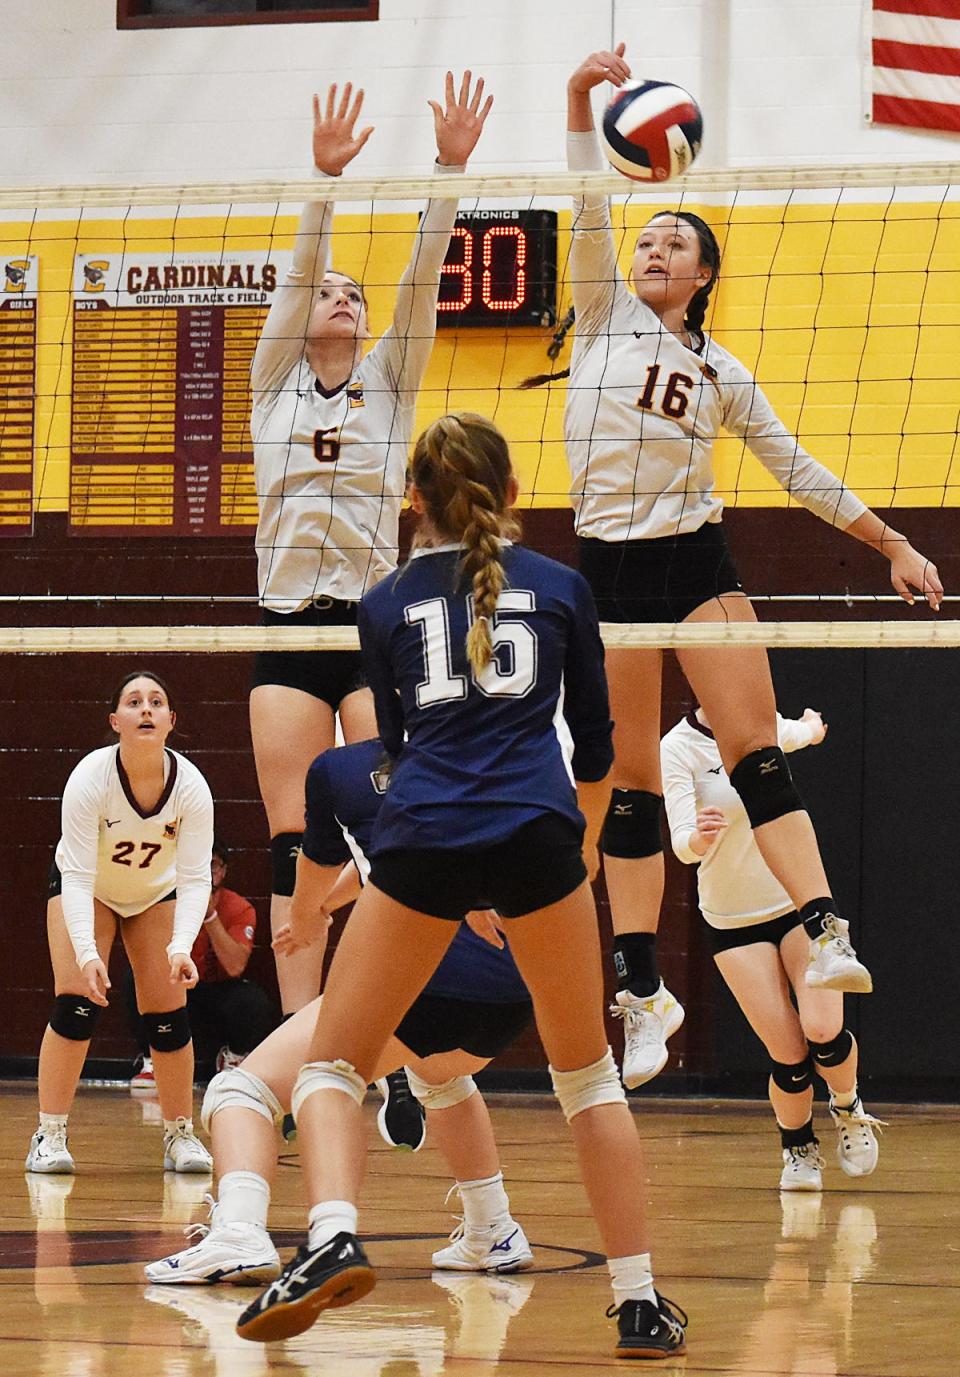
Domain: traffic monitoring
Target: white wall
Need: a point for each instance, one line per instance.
(780, 81)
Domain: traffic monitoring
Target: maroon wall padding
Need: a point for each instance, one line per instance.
(53, 710)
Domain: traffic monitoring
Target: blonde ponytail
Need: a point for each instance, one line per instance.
(461, 465)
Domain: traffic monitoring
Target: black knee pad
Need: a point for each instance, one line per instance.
(834, 1052)
(631, 828)
(765, 785)
(794, 1078)
(169, 1031)
(74, 1017)
(284, 850)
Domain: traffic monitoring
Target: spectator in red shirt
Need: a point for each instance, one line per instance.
(229, 1015)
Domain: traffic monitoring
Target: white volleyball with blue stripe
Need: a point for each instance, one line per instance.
(652, 130)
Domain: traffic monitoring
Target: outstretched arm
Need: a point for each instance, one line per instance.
(404, 350)
(909, 569)
(592, 269)
(336, 142)
(747, 413)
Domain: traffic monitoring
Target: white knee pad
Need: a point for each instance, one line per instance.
(453, 1091)
(240, 1089)
(327, 1075)
(590, 1086)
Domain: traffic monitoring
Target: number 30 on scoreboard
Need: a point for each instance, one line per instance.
(500, 269)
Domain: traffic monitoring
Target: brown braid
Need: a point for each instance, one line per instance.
(461, 466)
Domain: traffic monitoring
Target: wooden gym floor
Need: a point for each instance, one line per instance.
(864, 1280)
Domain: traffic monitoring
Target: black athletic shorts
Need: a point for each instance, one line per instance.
(435, 1023)
(774, 930)
(330, 675)
(661, 580)
(539, 864)
(55, 887)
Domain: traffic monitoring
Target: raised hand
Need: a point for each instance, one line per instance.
(459, 122)
(334, 141)
(600, 67)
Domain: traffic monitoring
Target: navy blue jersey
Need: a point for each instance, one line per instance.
(345, 790)
(483, 754)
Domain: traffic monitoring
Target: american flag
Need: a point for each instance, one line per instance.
(916, 63)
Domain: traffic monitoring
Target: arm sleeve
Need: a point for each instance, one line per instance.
(379, 672)
(680, 801)
(586, 704)
(748, 414)
(792, 734)
(403, 351)
(323, 839)
(80, 838)
(284, 332)
(194, 849)
(592, 271)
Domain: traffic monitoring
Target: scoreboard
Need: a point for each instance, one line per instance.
(160, 411)
(18, 370)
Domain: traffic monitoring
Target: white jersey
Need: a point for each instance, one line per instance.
(735, 886)
(113, 851)
(643, 411)
(330, 468)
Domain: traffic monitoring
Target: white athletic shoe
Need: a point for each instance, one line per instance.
(833, 962)
(857, 1147)
(801, 1168)
(242, 1254)
(183, 1150)
(49, 1151)
(647, 1023)
(501, 1248)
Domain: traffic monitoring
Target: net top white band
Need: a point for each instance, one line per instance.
(229, 640)
(511, 184)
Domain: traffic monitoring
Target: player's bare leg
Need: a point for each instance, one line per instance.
(835, 1056)
(62, 1058)
(290, 729)
(735, 689)
(162, 1004)
(633, 863)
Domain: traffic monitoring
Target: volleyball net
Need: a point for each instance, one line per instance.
(129, 317)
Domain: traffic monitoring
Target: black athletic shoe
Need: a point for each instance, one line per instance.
(401, 1120)
(316, 1279)
(648, 1330)
(289, 1129)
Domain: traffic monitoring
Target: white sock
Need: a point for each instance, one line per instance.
(48, 1122)
(243, 1197)
(632, 1278)
(329, 1218)
(485, 1202)
(844, 1099)
(171, 1125)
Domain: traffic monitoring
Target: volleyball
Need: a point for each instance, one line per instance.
(652, 130)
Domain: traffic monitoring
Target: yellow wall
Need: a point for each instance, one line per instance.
(850, 317)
